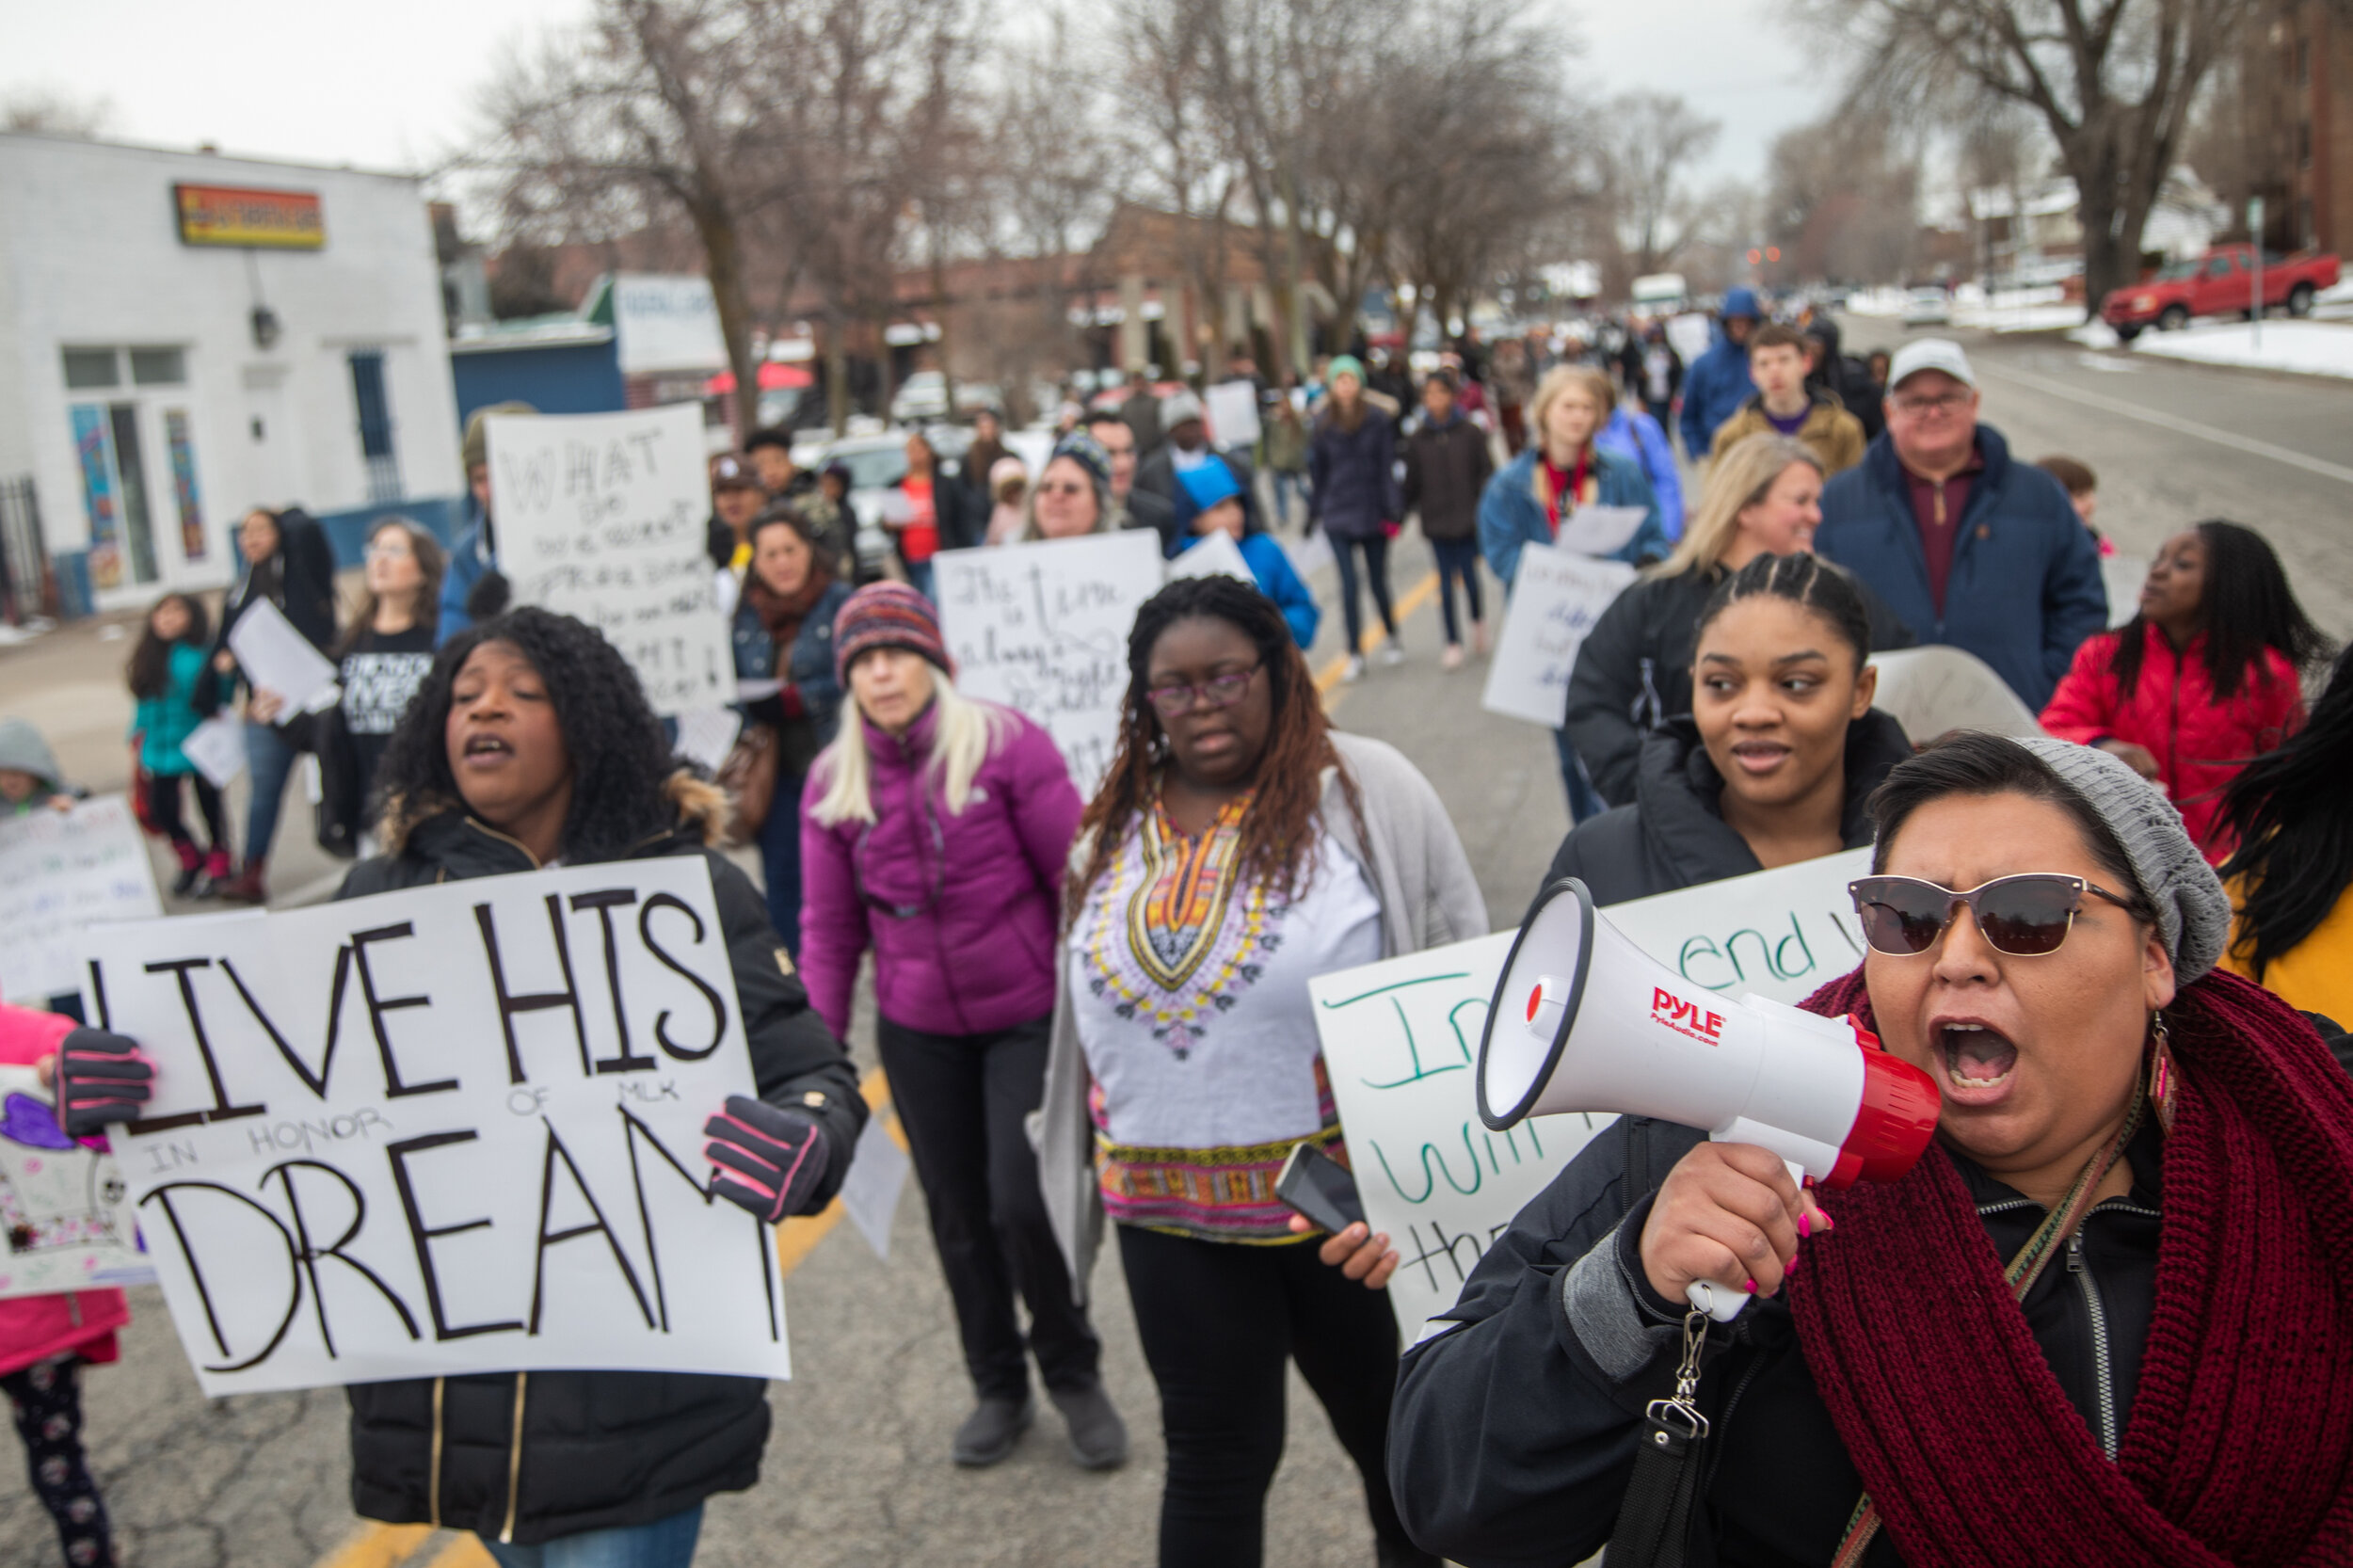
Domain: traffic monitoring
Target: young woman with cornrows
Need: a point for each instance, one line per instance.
(1237, 848)
(935, 832)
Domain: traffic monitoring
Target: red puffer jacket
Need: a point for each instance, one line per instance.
(34, 1328)
(2200, 742)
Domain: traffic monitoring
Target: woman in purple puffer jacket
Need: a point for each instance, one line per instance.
(936, 831)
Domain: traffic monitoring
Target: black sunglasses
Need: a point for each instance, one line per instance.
(2026, 916)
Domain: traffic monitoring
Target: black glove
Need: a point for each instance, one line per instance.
(767, 1158)
(102, 1077)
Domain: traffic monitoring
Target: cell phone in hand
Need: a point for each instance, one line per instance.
(1316, 1185)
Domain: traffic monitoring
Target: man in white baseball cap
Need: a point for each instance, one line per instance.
(1968, 546)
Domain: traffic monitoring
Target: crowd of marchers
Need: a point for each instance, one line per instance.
(2118, 950)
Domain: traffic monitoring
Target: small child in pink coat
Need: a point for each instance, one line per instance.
(43, 1342)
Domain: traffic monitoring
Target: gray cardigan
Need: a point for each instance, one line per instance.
(1428, 897)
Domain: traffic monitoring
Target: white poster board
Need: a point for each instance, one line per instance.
(456, 1128)
(65, 1213)
(277, 658)
(216, 747)
(1599, 529)
(1233, 410)
(1936, 688)
(2123, 576)
(1401, 1040)
(1554, 601)
(603, 517)
(1212, 555)
(59, 871)
(1043, 628)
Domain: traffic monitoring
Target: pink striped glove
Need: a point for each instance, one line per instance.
(767, 1158)
(102, 1077)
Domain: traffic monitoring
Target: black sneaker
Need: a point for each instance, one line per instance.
(991, 1431)
(184, 884)
(1099, 1439)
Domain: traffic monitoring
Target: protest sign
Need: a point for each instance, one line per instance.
(1233, 410)
(59, 871)
(601, 517)
(1043, 628)
(1212, 555)
(1936, 688)
(216, 747)
(65, 1214)
(1554, 601)
(454, 1129)
(1400, 1039)
(1599, 529)
(2123, 576)
(277, 658)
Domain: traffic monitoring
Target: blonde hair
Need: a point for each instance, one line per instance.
(1737, 479)
(1559, 379)
(965, 734)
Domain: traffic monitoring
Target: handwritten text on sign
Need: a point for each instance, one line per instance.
(603, 517)
(1400, 1041)
(1043, 628)
(451, 1130)
(59, 871)
(1554, 601)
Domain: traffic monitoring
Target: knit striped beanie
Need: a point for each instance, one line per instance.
(887, 614)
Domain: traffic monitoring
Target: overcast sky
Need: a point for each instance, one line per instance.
(390, 86)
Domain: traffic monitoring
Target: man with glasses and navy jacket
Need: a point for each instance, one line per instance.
(1966, 546)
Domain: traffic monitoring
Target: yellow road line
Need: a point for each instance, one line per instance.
(376, 1545)
(798, 1236)
(1416, 596)
(467, 1551)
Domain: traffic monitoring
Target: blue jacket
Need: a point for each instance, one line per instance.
(1511, 517)
(1633, 433)
(470, 558)
(1353, 476)
(808, 671)
(2026, 588)
(1713, 390)
(161, 722)
(1271, 567)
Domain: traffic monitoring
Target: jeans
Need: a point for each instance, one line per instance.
(1376, 551)
(920, 579)
(781, 858)
(1287, 484)
(962, 1099)
(1458, 561)
(1584, 800)
(269, 758)
(665, 1543)
(1218, 1321)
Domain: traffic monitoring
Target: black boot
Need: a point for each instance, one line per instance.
(990, 1432)
(1099, 1439)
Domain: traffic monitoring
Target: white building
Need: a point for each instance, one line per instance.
(184, 336)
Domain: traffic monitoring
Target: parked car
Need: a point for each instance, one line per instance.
(921, 396)
(2220, 282)
(876, 464)
(1928, 308)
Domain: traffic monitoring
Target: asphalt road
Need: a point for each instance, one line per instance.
(856, 1472)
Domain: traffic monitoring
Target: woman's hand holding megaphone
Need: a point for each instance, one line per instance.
(1731, 1214)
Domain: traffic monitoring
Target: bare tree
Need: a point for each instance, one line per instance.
(1651, 141)
(56, 114)
(2112, 81)
(1842, 199)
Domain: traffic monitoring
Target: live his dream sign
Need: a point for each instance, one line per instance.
(449, 1129)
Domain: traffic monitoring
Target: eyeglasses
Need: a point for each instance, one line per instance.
(1942, 405)
(1219, 690)
(2026, 916)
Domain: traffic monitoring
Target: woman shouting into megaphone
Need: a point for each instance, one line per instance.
(2112, 1269)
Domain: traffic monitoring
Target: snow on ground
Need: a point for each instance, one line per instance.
(2308, 347)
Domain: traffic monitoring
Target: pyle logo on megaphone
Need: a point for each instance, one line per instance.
(1619, 1035)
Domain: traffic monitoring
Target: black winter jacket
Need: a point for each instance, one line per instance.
(1512, 1438)
(1634, 670)
(299, 580)
(1351, 475)
(594, 1450)
(1674, 835)
(1447, 467)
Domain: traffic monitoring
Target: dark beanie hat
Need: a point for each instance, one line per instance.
(886, 614)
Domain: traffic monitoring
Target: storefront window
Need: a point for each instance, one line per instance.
(91, 367)
(159, 367)
(184, 491)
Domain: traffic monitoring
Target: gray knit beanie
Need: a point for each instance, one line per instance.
(23, 750)
(2193, 911)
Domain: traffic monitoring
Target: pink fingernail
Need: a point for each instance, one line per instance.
(1803, 1224)
(1828, 1223)
(1750, 1285)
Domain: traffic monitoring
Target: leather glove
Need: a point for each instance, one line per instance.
(102, 1077)
(767, 1158)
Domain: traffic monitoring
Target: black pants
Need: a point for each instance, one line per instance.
(46, 1400)
(1458, 562)
(962, 1098)
(1218, 1320)
(162, 808)
(1376, 551)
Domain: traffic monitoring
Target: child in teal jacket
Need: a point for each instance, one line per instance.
(165, 670)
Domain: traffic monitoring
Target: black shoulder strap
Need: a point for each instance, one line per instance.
(1638, 1173)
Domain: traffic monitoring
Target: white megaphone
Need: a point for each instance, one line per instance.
(1584, 1020)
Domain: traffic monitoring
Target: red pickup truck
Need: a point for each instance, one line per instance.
(2220, 282)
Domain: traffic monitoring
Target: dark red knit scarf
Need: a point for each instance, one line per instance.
(2240, 1446)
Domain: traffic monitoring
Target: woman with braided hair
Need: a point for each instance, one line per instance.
(1237, 848)
(2100, 1320)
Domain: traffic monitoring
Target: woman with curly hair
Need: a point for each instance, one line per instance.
(1237, 848)
(531, 742)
